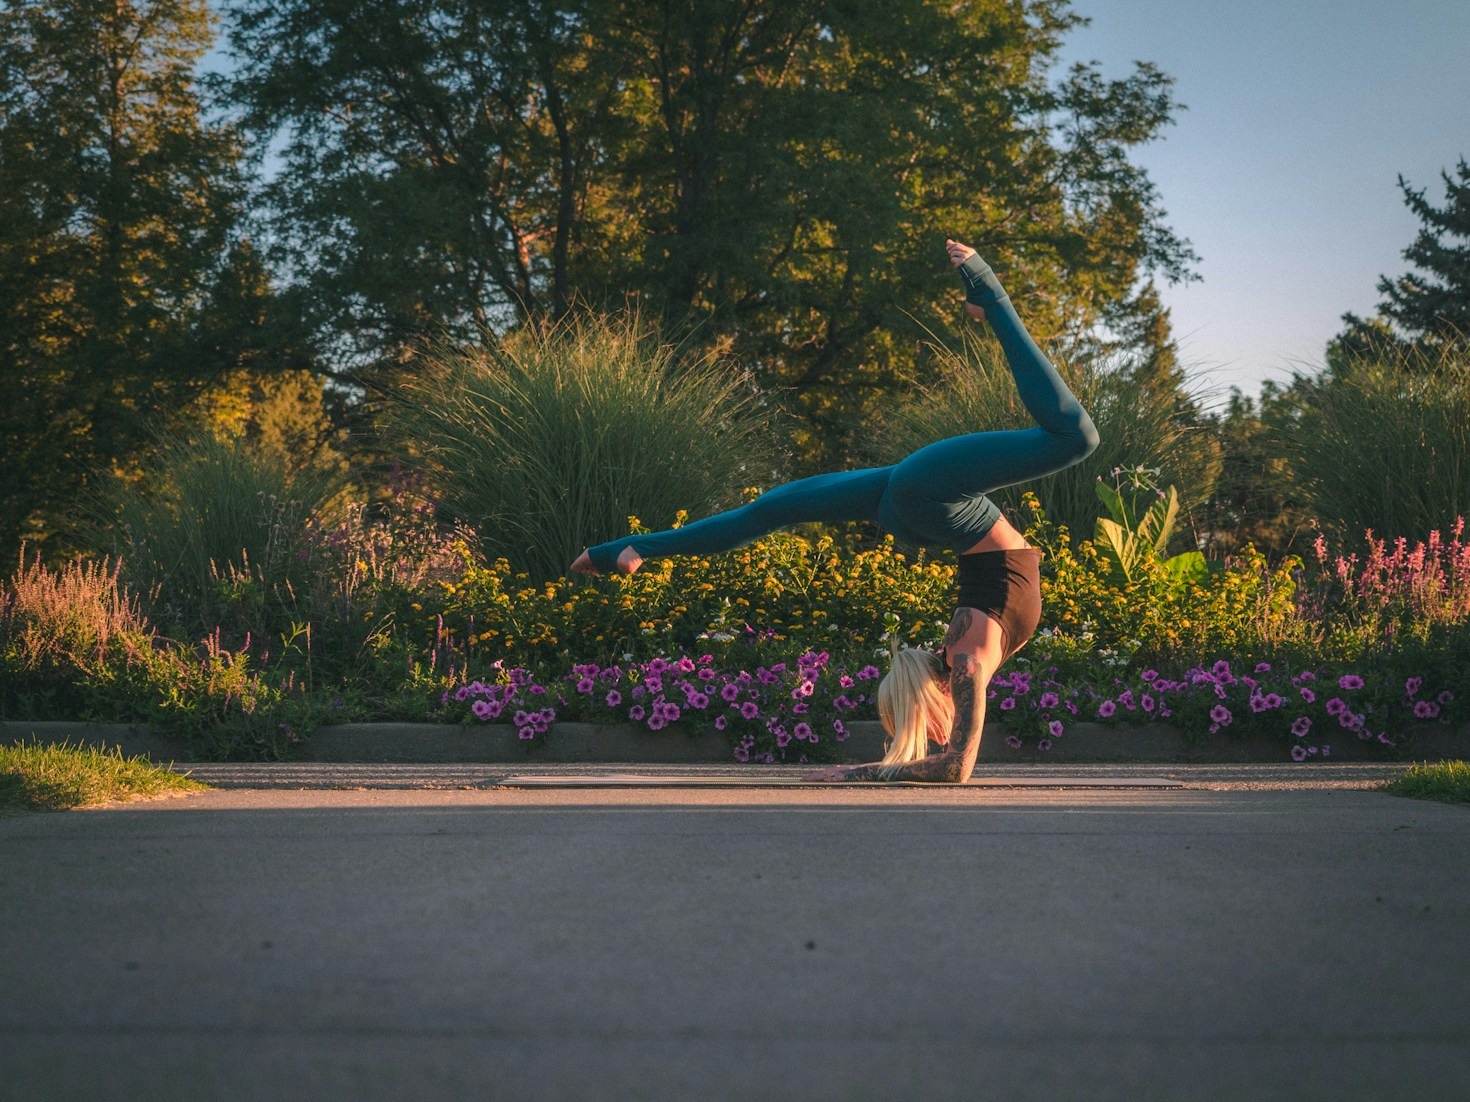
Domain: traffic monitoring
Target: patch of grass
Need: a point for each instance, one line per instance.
(36, 777)
(1447, 781)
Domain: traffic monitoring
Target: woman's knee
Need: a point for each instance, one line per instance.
(1087, 436)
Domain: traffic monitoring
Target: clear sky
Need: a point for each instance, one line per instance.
(1281, 173)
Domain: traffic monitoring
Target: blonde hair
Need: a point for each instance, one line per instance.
(913, 705)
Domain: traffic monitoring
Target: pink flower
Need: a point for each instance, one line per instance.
(1412, 685)
(613, 698)
(1349, 681)
(1298, 752)
(1301, 726)
(1048, 700)
(1013, 742)
(730, 692)
(1221, 715)
(1007, 704)
(1044, 744)
(1445, 697)
(1106, 708)
(1150, 675)
(749, 710)
(1147, 703)
(721, 723)
(1056, 728)
(636, 713)
(1308, 695)
(481, 708)
(803, 731)
(1336, 706)
(585, 685)
(1263, 667)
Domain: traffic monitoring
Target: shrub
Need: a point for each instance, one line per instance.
(213, 510)
(546, 441)
(1383, 444)
(832, 592)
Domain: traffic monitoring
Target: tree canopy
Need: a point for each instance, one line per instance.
(117, 200)
(778, 176)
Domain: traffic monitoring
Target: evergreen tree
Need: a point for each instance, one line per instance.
(1436, 303)
(117, 200)
(1431, 306)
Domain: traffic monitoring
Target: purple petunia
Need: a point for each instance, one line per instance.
(749, 710)
(1049, 700)
(636, 713)
(1044, 744)
(1301, 726)
(1150, 675)
(1336, 706)
(1007, 704)
(613, 698)
(1263, 667)
(1298, 752)
(1056, 728)
(1412, 686)
(803, 731)
(721, 722)
(730, 692)
(1308, 695)
(1425, 709)
(1106, 708)
(1350, 681)
(1013, 742)
(1221, 715)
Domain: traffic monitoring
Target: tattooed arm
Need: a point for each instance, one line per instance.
(974, 644)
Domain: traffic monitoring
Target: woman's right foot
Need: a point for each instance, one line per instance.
(628, 562)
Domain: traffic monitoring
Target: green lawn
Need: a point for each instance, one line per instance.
(1448, 781)
(36, 777)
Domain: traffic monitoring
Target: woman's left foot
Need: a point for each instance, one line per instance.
(958, 254)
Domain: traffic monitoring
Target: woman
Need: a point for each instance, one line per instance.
(934, 498)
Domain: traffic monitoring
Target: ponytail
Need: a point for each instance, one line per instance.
(913, 705)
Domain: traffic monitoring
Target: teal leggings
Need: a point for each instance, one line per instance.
(935, 497)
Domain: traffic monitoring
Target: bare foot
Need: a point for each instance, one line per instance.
(583, 565)
(629, 560)
(958, 254)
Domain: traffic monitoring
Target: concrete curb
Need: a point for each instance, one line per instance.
(434, 743)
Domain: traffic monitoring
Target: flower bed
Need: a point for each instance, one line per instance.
(799, 711)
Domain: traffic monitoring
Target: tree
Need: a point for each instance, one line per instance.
(117, 202)
(777, 175)
(1430, 306)
(1257, 498)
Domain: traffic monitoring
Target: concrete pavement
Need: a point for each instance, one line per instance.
(477, 942)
